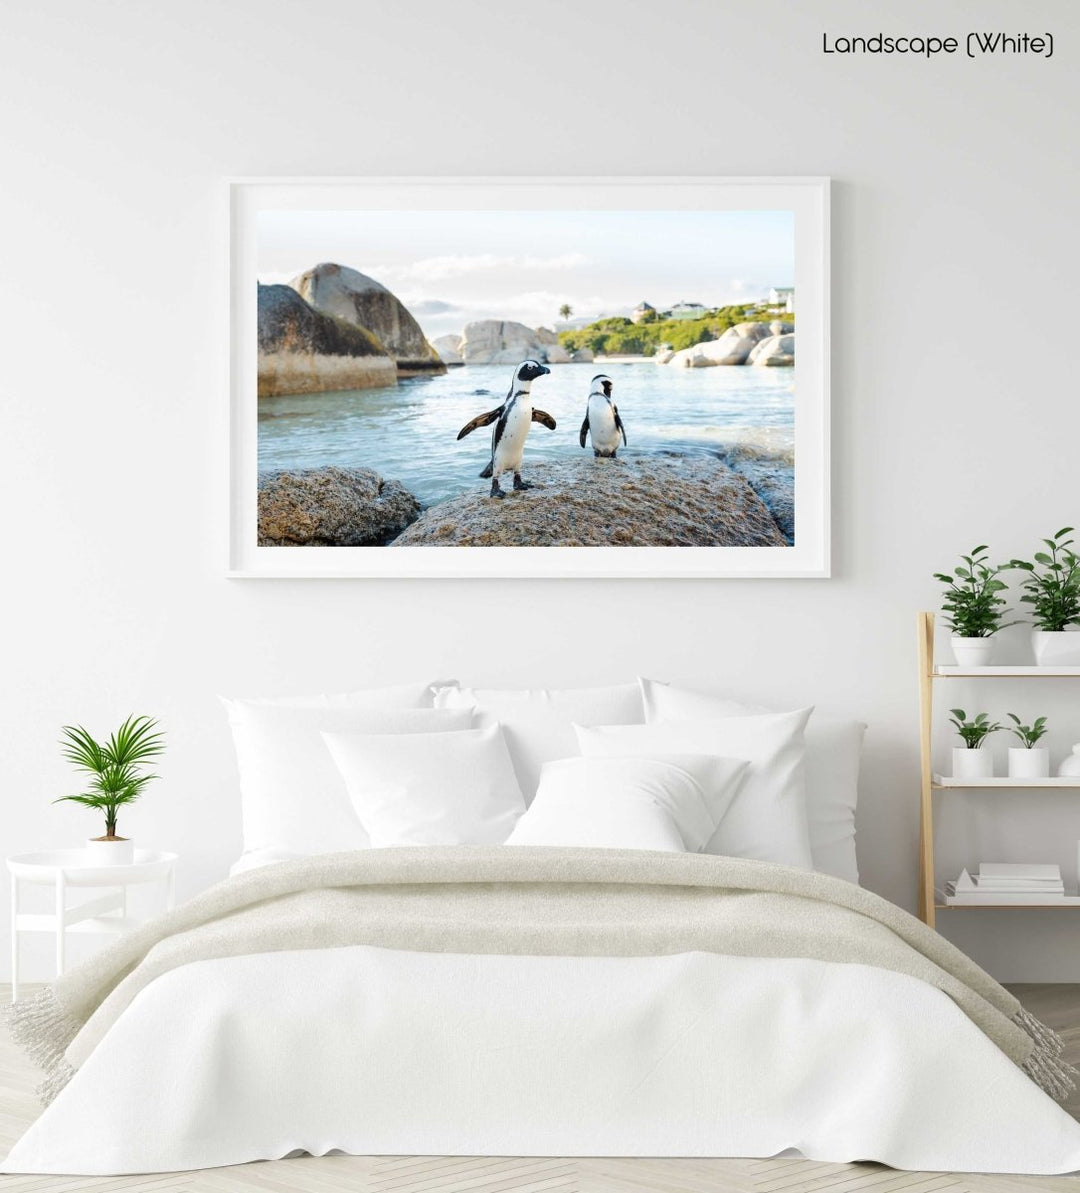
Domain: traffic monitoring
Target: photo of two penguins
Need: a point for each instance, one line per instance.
(514, 418)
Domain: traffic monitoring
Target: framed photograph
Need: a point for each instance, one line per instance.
(481, 377)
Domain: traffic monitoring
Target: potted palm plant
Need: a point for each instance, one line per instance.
(117, 778)
(970, 761)
(973, 607)
(1029, 760)
(1052, 589)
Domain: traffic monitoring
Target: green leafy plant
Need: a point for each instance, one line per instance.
(974, 732)
(973, 603)
(1028, 734)
(115, 767)
(1052, 587)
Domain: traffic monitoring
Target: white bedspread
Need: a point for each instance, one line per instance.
(375, 1051)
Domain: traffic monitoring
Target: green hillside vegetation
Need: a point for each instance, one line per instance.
(618, 336)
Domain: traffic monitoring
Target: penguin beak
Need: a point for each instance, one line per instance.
(544, 369)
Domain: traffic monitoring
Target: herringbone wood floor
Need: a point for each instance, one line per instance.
(1057, 1005)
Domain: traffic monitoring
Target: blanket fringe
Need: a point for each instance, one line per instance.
(48, 1089)
(1046, 1065)
(43, 1030)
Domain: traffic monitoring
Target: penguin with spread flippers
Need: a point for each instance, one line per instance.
(602, 422)
(513, 420)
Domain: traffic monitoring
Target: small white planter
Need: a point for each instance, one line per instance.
(1056, 648)
(972, 652)
(1029, 764)
(972, 764)
(119, 852)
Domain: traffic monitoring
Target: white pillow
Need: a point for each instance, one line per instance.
(431, 788)
(833, 750)
(767, 818)
(292, 796)
(539, 722)
(672, 803)
(405, 695)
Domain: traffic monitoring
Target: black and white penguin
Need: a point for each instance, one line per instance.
(602, 419)
(515, 416)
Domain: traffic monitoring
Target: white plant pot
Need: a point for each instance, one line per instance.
(1029, 764)
(120, 852)
(972, 652)
(1056, 648)
(972, 764)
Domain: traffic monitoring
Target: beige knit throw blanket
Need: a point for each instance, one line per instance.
(526, 901)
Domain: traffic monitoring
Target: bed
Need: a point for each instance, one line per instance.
(601, 967)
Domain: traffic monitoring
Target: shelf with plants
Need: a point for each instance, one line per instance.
(1065, 904)
(1003, 781)
(975, 609)
(950, 671)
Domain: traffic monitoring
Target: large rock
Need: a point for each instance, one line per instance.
(781, 327)
(357, 299)
(449, 349)
(499, 342)
(632, 501)
(728, 350)
(582, 356)
(502, 342)
(731, 348)
(303, 351)
(332, 507)
(776, 351)
(750, 330)
(771, 474)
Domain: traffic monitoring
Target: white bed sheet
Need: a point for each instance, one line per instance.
(375, 1051)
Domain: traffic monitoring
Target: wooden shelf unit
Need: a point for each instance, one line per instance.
(931, 782)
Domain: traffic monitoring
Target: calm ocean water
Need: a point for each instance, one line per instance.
(407, 432)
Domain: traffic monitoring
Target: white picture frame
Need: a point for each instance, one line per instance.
(806, 197)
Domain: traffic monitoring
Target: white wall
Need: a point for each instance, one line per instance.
(956, 416)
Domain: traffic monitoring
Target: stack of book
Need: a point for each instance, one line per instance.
(1007, 882)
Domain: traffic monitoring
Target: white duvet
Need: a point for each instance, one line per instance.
(375, 1051)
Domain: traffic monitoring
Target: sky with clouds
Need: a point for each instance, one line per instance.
(452, 267)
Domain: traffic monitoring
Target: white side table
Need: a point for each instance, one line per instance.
(64, 869)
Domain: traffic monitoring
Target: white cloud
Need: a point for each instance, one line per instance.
(514, 306)
(437, 269)
(534, 308)
(431, 306)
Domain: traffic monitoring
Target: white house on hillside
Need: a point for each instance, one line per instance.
(687, 310)
(783, 296)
